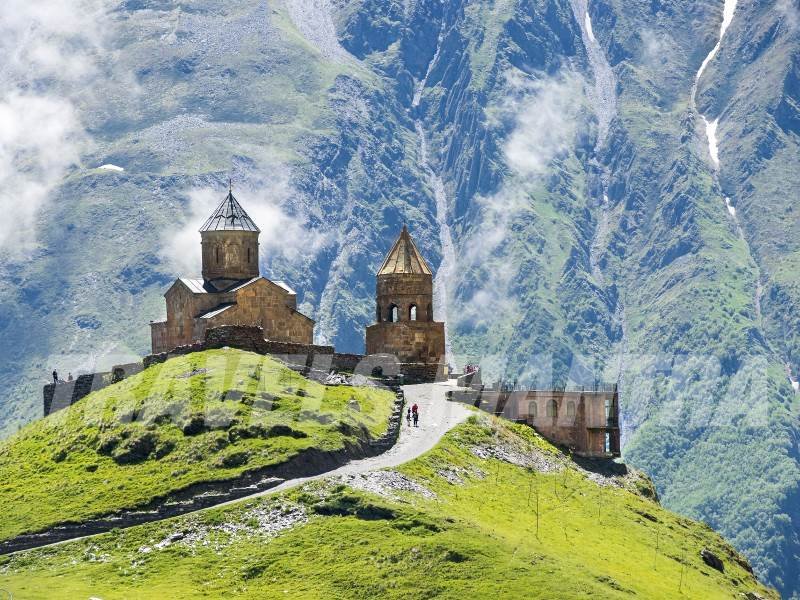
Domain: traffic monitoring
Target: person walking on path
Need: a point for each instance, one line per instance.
(416, 416)
(55, 376)
(408, 416)
(414, 409)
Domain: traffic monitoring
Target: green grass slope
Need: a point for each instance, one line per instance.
(493, 511)
(206, 416)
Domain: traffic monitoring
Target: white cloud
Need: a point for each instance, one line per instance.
(39, 139)
(545, 114)
(545, 117)
(656, 48)
(49, 49)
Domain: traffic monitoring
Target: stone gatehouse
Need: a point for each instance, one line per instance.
(231, 290)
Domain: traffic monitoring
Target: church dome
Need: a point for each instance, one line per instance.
(229, 216)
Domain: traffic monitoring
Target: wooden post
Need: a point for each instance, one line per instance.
(655, 551)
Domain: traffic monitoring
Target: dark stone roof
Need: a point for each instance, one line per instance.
(216, 310)
(226, 286)
(219, 286)
(230, 216)
(404, 258)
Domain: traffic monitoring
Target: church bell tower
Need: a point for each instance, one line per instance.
(404, 311)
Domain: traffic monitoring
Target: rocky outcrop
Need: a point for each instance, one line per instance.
(712, 560)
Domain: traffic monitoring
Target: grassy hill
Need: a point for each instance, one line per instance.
(575, 257)
(206, 416)
(493, 511)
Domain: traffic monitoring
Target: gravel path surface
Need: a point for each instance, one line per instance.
(437, 417)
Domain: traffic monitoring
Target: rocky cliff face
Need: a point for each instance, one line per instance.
(551, 157)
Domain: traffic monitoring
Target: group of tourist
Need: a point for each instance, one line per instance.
(412, 414)
(57, 380)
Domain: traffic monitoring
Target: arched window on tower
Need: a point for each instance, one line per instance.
(570, 409)
(412, 312)
(552, 409)
(533, 410)
(249, 257)
(216, 253)
(392, 314)
(430, 312)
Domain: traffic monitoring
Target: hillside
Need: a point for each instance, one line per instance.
(461, 521)
(550, 156)
(203, 417)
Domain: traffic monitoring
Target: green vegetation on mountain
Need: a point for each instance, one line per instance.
(492, 511)
(208, 416)
(577, 258)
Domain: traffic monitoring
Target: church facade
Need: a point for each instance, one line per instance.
(231, 290)
(404, 310)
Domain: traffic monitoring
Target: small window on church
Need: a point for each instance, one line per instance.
(412, 313)
(430, 312)
(378, 311)
(216, 253)
(552, 408)
(533, 410)
(248, 256)
(570, 409)
(393, 314)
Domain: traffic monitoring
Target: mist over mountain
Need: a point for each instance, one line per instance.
(606, 189)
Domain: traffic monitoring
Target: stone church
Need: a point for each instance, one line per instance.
(405, 327)
(231, 290)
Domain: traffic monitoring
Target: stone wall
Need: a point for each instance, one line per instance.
(229, 254)
(404, 291)
(251, 339)
(410, 341)
(575, 419)
(267, 305)
(261, 303)
(120, 372)
(58, 396)
(306, 358)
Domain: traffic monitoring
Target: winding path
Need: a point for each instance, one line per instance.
(437, 417)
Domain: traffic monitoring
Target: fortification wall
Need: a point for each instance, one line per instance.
(583, 420)
(58, 396)
(313, 360)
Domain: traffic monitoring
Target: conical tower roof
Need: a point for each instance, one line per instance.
(404, 258)
(229, 216)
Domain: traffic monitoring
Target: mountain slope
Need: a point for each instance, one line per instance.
(548, 157)
(461, 519)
